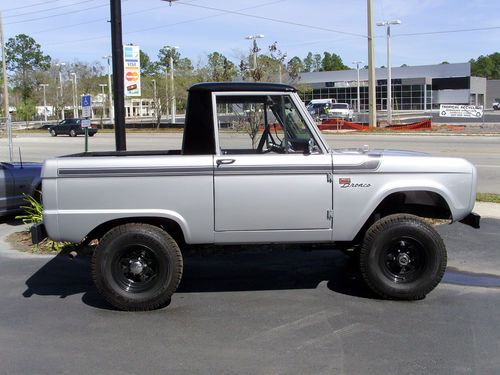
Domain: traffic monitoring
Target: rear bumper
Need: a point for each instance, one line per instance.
(472, 220)
(38, 233)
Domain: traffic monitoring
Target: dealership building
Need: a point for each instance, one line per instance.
(413, 87)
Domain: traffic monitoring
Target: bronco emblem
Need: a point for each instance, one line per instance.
(346, 183)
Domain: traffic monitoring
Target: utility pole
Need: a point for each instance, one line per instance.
(59, 65)
(254, 38)
(110, 96)
(75, 96)
(357, 63)
(172, 87)
(8, 124)
(372, 105)
(389, 74)
(118, 73)
(43, 86)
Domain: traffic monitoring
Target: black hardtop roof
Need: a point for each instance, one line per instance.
(240, 86)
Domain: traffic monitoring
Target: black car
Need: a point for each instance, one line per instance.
(16, 181)
(71, 127)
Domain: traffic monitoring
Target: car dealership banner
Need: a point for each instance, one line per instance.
(467, 111)
(132, 69)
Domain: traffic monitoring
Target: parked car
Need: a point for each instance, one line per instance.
(16, 180)
(341, 110)
(71, 127)
(496, 104)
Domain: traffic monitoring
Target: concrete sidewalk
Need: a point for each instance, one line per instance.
(485, 209)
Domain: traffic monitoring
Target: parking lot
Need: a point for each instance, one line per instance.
(255, 311)
(260, 310)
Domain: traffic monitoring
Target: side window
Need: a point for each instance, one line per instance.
(254, 124)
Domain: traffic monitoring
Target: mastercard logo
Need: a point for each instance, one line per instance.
(132, 76)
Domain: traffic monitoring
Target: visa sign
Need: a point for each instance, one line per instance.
(132, 70)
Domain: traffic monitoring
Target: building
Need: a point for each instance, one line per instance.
(492, 92)
(413, 87)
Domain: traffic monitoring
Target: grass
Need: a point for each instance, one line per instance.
(488, 197)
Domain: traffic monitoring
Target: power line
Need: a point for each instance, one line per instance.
(449, 31)
(47, 9)
(96, 20)
(30, 6)
(273, 19)
(163, 26)
(59, 14)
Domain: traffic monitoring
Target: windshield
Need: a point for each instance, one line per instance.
(340, 106)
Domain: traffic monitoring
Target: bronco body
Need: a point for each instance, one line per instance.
(254, 169)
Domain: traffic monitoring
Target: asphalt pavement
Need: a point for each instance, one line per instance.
(256, 311)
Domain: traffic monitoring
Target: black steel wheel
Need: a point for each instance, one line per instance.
(137, 267)
(402, 257)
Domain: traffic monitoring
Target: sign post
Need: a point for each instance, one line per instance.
(86, 113)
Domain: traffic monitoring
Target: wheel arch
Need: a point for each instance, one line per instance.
(172, 227)
(418, 202)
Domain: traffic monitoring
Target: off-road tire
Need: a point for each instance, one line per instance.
(397, 239)
(116, 283)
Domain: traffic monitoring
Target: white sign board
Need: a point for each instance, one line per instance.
(85, 124)
(132, 70)
(464, 111)
(86, 106)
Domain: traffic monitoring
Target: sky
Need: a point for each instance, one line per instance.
(70, 30)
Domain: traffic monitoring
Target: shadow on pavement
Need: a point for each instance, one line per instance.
(10, 220)
(226, 271)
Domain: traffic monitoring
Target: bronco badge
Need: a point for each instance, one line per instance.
(346, 183)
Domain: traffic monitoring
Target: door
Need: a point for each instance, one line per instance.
(6, 188)
(270, 174)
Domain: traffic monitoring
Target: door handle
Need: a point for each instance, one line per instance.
(224, 161)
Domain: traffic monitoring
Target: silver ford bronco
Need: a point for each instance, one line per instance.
(254, 169)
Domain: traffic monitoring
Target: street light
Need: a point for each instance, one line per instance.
(60, 65)
(171, 63)
(357, 63)
(75, 98)
(43, 86)
(110, 98)
(254, 38)
(388, 24)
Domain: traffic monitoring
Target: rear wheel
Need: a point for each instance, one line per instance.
(137, 267)
(402, 257)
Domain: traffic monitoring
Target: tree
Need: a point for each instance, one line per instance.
(219, 68)
(308, 62)
(23, 57)
(148, 67)
(486, 66)
(181, 65)
(294, 67)
(332, 62)
(317, 60)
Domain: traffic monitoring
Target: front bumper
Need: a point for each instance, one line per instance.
(472, 220)
(38, 233)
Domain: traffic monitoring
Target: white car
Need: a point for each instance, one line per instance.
(341, 110)
(496, 104)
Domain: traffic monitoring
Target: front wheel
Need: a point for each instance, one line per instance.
(137, 267)
(53, 133)
(72, 133)
(402, 257)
